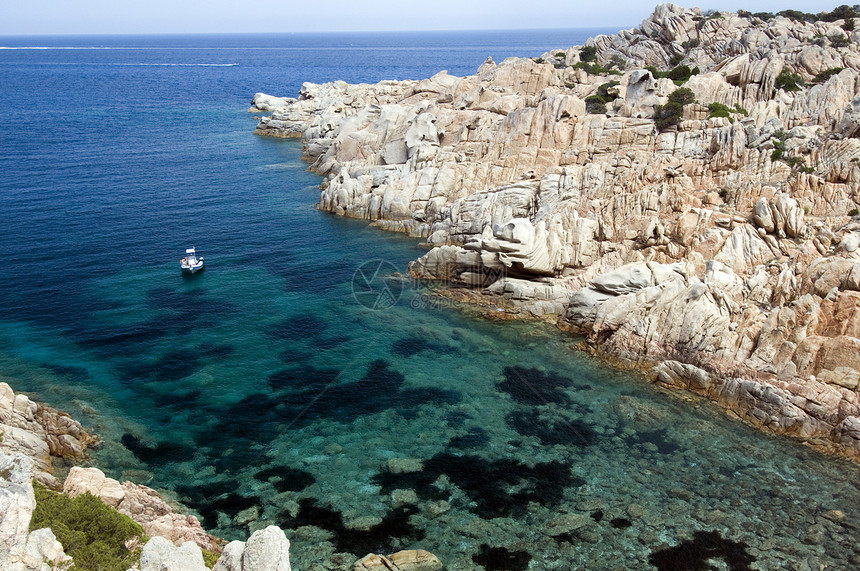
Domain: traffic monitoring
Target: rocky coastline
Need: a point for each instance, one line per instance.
(40, 444)
(684, 195)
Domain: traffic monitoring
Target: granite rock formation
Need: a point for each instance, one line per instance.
(719, 253)
(21, 549)
(41, 433)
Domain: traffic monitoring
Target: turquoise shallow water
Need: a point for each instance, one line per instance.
(264, 390)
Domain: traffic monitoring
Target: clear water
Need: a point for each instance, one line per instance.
(262, 390)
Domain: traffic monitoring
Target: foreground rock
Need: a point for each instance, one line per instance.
(266, 550)
(21, 549)
(28, 430)
(723, 252)
(40, 433)
(142, 504)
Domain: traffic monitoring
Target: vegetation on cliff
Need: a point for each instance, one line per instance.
(97, 537)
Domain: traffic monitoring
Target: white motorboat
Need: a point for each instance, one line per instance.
(191, 262)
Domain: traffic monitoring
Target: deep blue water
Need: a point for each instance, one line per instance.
(262, 391)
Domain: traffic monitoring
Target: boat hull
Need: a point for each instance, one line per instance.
(191, 269)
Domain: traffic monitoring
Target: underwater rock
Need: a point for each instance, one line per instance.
(403, 465)
(406, 560)
(566, 524)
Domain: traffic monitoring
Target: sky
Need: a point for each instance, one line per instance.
(42, 17)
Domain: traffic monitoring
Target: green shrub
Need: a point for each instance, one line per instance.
(209, 558)
(92, 533)
(720, 110)
(691, 43)
(669, 115)
(596, 68)
(789, 81)
(797, 15)
(588, 53)
(843, 12)
(618, 62)
(679, 74)
(676, 59)
(742, 111)
(838, 41)
(596, 103)
(682, 96)
(827, 74)
(666, 116)
(853, 212)
(848, 25)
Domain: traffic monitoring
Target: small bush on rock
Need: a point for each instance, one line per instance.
(827, 74)
(679, 74)
(720, 110)
(597, 103)
(669, 115)
(837, 41)
(92, 533)
(788, 81)
(588, 53)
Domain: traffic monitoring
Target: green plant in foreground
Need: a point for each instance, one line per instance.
(91, 532)
(853, 212)
(209, 558)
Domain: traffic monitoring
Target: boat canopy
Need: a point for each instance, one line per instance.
(189, 251)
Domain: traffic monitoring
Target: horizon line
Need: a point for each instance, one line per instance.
(306, 33)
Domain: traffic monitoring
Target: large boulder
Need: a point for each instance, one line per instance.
(159, 554)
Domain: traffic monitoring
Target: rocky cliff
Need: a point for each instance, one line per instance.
(719, 251)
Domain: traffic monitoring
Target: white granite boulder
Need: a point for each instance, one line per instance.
(159, 554)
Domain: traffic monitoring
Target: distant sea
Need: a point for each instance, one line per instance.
(299, 379)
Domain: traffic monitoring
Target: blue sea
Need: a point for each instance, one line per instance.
(300, 379)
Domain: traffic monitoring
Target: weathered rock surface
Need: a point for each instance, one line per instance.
(266, 550)
(407, 560)
(40, 432)
(159, 554)
(728, 244)
(20, 549)
(142, 504)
